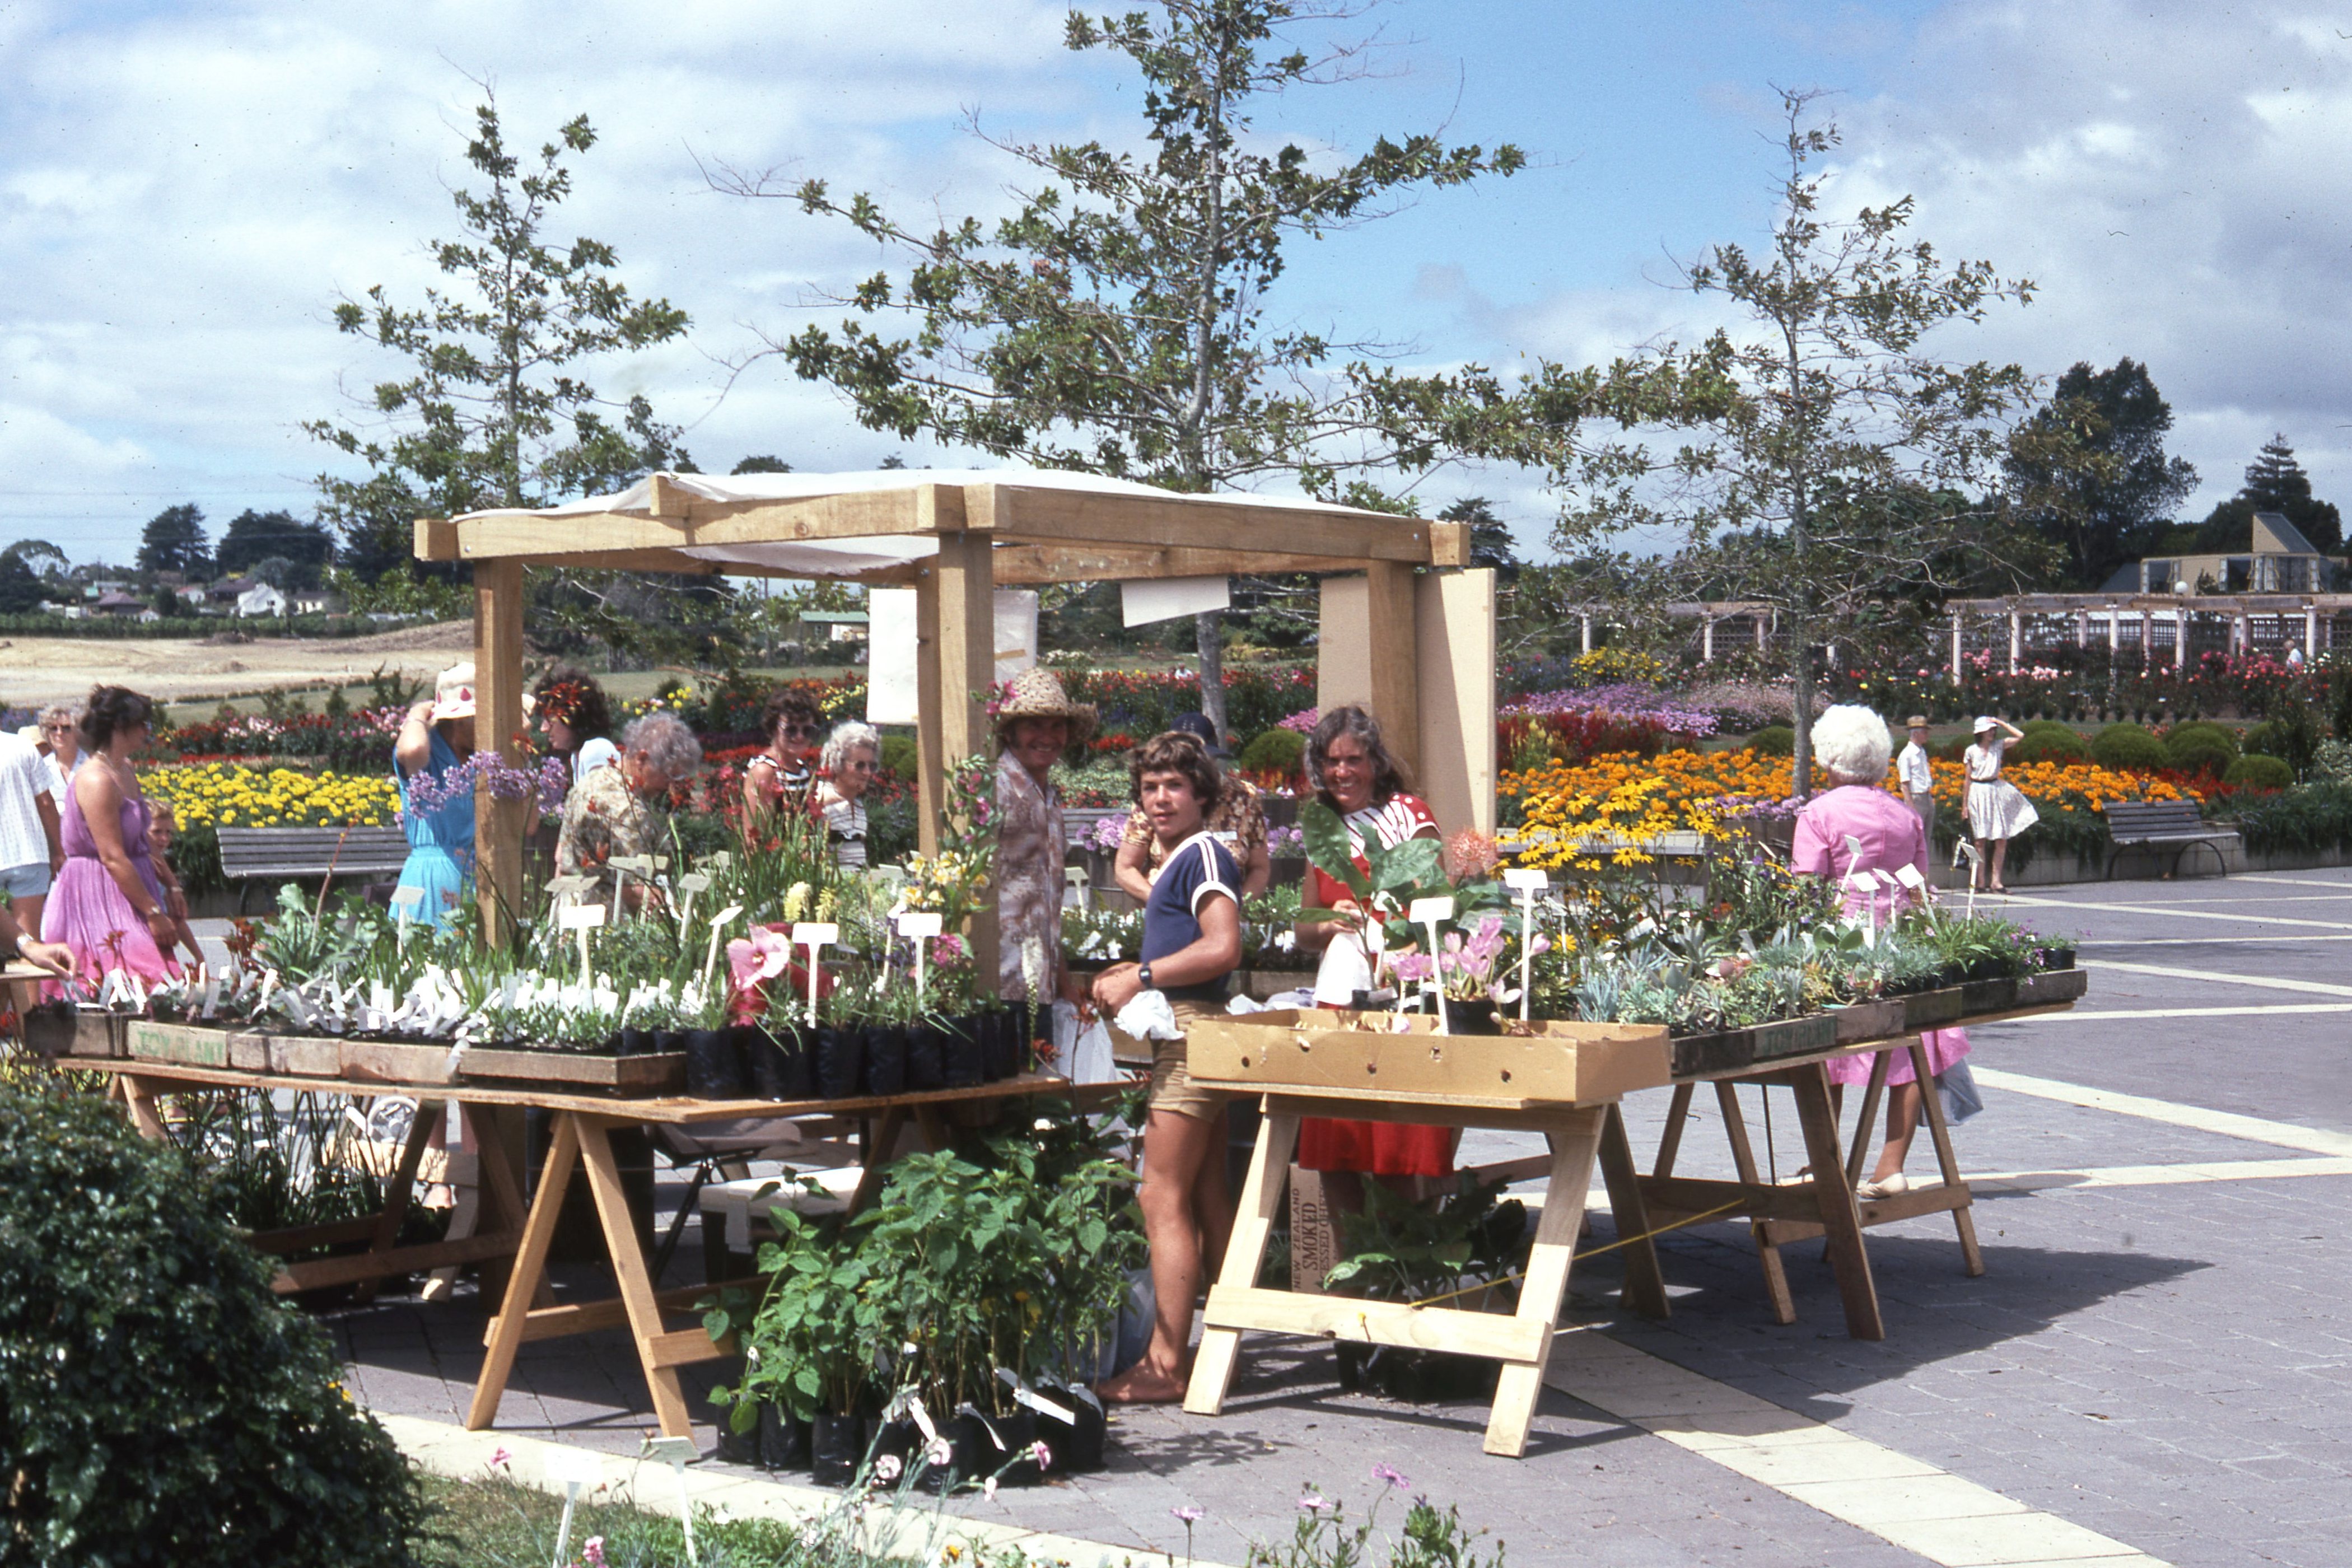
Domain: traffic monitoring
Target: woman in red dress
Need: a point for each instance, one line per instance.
(1353, 774)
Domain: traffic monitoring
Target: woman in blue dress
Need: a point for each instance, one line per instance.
(435, 741)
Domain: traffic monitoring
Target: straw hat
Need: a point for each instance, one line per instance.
(1038, 694)
(1917, 721)
(453, 693)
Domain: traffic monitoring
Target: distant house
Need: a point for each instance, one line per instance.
(260, 599)
(319, 602)
(115, 602)
(2278, 560)
(193, 594)
(228, 591)
(840, 626)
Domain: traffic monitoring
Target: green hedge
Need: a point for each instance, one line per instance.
(2260, 773)
(2127, 748)
(161, 1404)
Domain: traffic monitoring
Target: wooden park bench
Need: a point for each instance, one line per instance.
(251, 856)
(2158, 826)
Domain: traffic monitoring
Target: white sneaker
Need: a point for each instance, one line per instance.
(1869, 1192)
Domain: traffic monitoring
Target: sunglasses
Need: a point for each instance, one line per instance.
(799, 731)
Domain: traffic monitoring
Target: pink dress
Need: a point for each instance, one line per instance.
(1891, 835)
(88, 913)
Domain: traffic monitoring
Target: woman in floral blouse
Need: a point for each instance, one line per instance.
(1036, 724)
(605, 816)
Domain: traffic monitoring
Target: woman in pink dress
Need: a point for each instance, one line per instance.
(1850, 744)
(109, 908)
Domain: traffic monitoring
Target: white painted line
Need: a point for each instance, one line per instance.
(2290, 881)
(2169, 911)
(2211, 940)
(1913, 1504)
(2229, 1124)
(2222, 977)
(2157, 1176)
(2080, 1017)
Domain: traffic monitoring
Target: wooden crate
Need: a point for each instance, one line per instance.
(189, 1047)
(645, 1075)
(1367, 1055)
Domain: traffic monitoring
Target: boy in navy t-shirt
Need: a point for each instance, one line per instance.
(1192, 945)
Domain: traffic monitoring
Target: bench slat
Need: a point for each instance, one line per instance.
(257, 852)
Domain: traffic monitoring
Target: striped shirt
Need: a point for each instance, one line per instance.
(25, 777)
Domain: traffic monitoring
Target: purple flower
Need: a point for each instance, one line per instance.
(1389, 1474)
(1313, 1502)
(1190, 1514)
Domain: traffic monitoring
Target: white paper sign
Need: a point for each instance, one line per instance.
(1425, 911)
(580, 917)
(1165, 598)
(1524, 880)
(812, 933)
(917, 922)
(892, 693)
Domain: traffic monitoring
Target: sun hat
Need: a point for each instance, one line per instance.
(1985, 723)
(1202, 728)
(1917, 721)
(453, 693)
(1038, 694)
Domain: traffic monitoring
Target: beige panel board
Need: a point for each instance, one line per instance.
(1454, 615)
(1343, 649)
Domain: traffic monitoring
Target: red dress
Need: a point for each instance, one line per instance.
(1375, 1148)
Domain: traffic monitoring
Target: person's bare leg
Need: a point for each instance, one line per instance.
(1902, 1125)
(1213, 1208)
(27, 912)
(1978, 873)
(1999, 858)
(1174, 1148)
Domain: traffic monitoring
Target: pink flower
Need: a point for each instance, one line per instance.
(1189, 1515)
(1041, 1456)
(591, 1551)
(501, 1459)
(1312, 1503)
(988, 1489)
(889, 1467)
(762, 956)
(1389, 1474)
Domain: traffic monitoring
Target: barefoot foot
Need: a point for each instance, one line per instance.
(1141, 1385)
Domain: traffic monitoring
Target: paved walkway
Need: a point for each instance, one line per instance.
(2154, 1368)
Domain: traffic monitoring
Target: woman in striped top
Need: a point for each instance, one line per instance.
(852, 756)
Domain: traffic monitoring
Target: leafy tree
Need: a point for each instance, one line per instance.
(21, 593)
(2275, 481)
(761, 465)
(51, 560)
(496, 409)
(1117, 323)
(2113, 505)
(174, 542)
(1819, 461)
(307, 547)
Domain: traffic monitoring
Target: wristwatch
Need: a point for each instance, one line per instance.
(1143, 973)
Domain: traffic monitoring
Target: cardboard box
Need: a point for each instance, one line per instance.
(1382, 1054)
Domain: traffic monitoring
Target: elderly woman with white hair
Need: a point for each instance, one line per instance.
(845, 769)
(606, 817)
(1857, 825)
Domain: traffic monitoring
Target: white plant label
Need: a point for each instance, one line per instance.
(813, 935)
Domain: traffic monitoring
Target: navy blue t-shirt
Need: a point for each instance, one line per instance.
(1198, 869)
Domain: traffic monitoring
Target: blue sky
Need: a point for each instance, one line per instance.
(184, 191)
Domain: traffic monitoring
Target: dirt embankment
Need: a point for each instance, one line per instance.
(53, 669)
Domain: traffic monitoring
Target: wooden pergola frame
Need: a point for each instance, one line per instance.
(1383, 631)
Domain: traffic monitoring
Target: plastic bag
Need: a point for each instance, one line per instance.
(1149, 1018)
(1958, 1087)
(1345, 970)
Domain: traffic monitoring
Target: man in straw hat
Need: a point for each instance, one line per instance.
(1035, 724)
(1917, 776)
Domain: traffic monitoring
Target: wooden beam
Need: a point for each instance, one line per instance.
(955, 615)
(1026, 564)
(498, 725)
(1449, 544)
(862, 514)
(1020, 514)
(666, 500)
(640, 560)
(436, 538)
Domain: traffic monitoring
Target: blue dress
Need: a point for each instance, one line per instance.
(440, 843)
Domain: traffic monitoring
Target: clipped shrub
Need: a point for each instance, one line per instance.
(161, 1405)
(2048, 743)
(1774, 741)
(1282, 752)
(2259, 772)
(2199, 748)
(2127, 748)
(900, 757)
(2049, 726)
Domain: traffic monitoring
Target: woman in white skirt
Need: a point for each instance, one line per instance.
(1998, 811)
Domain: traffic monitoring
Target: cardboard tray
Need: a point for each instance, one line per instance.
(1365, 1054)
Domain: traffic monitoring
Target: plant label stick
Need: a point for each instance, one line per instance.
(718, 925)
(405, 902)
(570, 1468)
(1527, 884)
(813, 935)
(643, 865)
(584, 919)
(693, 882)
(1426, 913)
(917, 926)
(677, 1453)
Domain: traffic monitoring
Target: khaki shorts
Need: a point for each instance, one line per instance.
(1171, 1085)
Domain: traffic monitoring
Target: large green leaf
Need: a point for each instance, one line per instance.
(1328, 849)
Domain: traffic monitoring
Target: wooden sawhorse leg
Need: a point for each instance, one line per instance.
(1646, 1285)
(527, 1277)
(1743, 1159)
(1931, 1111)
(1841, 1220)
(1262, 1196)
(139, 1099)
(1574, 1143)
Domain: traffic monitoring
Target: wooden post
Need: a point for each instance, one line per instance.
(1759, 630)
(2016, 639)
(1956, 647)
(499, 825)
(1454, 691)
(1391, 623)
(1585, 623)
(955, 663)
